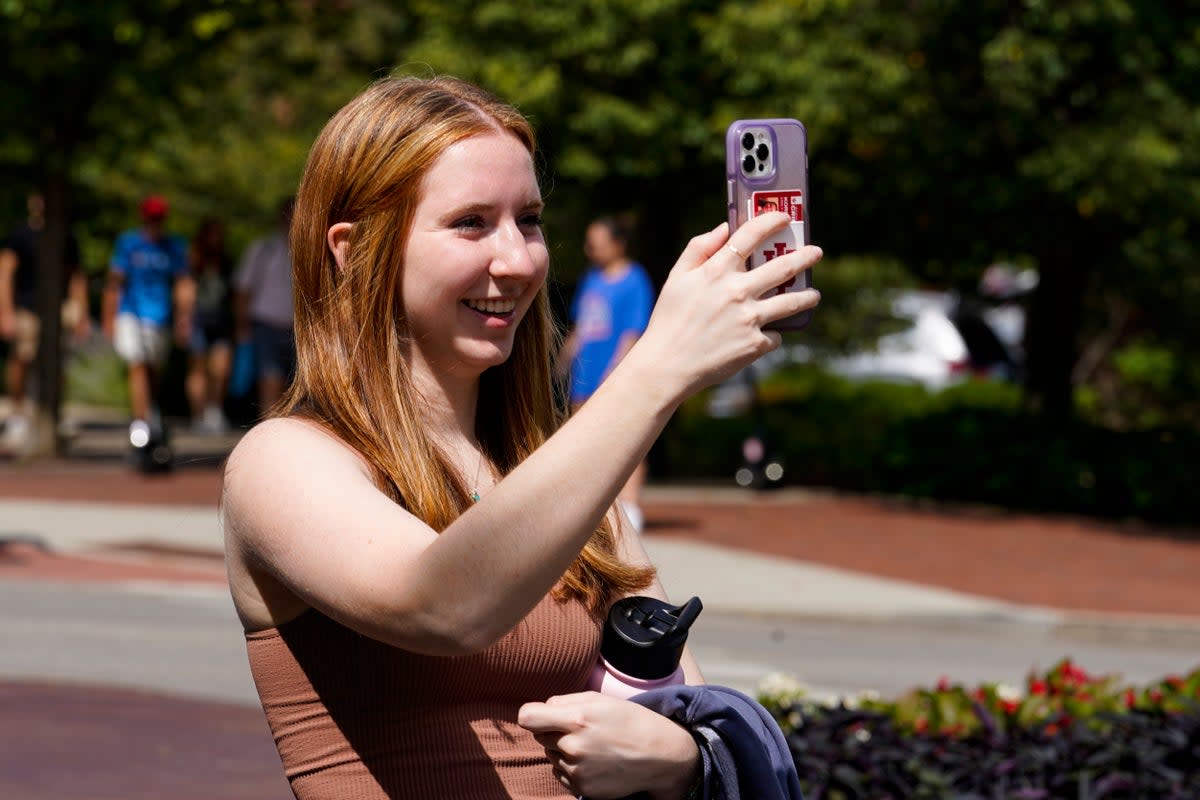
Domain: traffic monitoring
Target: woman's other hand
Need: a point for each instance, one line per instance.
(708, 322)
(605, 747)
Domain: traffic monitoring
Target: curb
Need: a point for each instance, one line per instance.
(1131, 628)
(1140, 628)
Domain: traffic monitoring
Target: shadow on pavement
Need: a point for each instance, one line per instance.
(74, 742)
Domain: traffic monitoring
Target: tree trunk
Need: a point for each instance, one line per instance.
(51, 289)
(1055, 317)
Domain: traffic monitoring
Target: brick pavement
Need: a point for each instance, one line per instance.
(75, 742)
(1060, 562)
(92, 743)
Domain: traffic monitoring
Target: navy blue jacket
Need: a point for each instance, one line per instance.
(744, 753)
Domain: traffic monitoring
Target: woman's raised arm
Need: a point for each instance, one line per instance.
(308, 516)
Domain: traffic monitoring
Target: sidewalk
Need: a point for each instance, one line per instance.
(790, 552)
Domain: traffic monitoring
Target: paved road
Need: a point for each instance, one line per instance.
(185, 641)
(130, 691)
(137, 690)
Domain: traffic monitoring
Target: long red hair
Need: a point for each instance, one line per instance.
(352, 338)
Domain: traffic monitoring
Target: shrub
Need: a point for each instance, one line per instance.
(1067, 735)
(971, 443)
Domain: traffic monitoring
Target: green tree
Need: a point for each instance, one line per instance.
(949, 135)
(1060, 134)
(943, 135)
(244, 115)
(86, 78)
(620, 92)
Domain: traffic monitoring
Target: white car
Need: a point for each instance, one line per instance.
(945, 341)
(930, 351)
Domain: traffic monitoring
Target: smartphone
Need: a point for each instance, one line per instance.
(766, 169)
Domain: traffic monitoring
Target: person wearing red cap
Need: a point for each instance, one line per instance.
(155, 208)
(148, 286)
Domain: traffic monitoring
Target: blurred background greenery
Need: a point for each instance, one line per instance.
(1057, 137)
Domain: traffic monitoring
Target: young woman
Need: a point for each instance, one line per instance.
(420, 555)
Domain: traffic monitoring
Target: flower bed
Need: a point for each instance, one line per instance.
(1066, 734)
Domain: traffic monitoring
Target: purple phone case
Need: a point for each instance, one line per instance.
(787, 140)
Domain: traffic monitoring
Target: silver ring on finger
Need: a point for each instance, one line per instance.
(736, 252)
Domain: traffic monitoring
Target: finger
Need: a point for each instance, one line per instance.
(703, 247)
(562, 778)
(570, 699)
(779, 271)
(564, 759)
(747, 238)
(784, 305)
(545, 718)
(557, 746)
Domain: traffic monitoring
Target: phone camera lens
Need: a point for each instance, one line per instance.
(748, 163)
(747, 141)
(762, 152)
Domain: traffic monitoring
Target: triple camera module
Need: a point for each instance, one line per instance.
(756, 152)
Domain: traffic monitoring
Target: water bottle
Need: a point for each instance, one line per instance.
(642, 642)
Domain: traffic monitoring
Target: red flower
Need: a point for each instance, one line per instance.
(1010, 706)
(1130, 698)
(920, 724)
(1156, 695)
(1037, 686)
(943, 684)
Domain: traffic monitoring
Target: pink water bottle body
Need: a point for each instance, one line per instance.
(609, 680)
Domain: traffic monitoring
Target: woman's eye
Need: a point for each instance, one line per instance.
(532, 220)
(472, 222)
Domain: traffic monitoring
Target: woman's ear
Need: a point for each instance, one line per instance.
(338, 239)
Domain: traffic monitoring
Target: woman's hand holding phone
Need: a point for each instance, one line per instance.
(710, 316)
(766, 170)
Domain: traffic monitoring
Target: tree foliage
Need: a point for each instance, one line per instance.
(944, 135)
(951, 135)
(89, 78)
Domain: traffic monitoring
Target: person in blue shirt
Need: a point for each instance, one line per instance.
(610, 312)
(148, 291)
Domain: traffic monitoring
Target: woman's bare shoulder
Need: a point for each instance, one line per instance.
(284, 439)
(286, 452)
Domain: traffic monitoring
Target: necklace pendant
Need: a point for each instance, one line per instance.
(475, 496)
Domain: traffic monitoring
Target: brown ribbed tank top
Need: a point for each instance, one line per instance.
(354, 718)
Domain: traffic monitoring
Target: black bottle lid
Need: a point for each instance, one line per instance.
(644, 637)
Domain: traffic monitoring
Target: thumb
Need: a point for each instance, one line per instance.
(545, 718)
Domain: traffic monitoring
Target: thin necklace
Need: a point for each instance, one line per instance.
(478, 467)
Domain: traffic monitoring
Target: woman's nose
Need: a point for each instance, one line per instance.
(514, 256)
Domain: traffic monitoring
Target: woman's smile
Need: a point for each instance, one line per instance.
(500, 310)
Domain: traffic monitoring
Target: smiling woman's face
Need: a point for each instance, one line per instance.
(475, 257)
